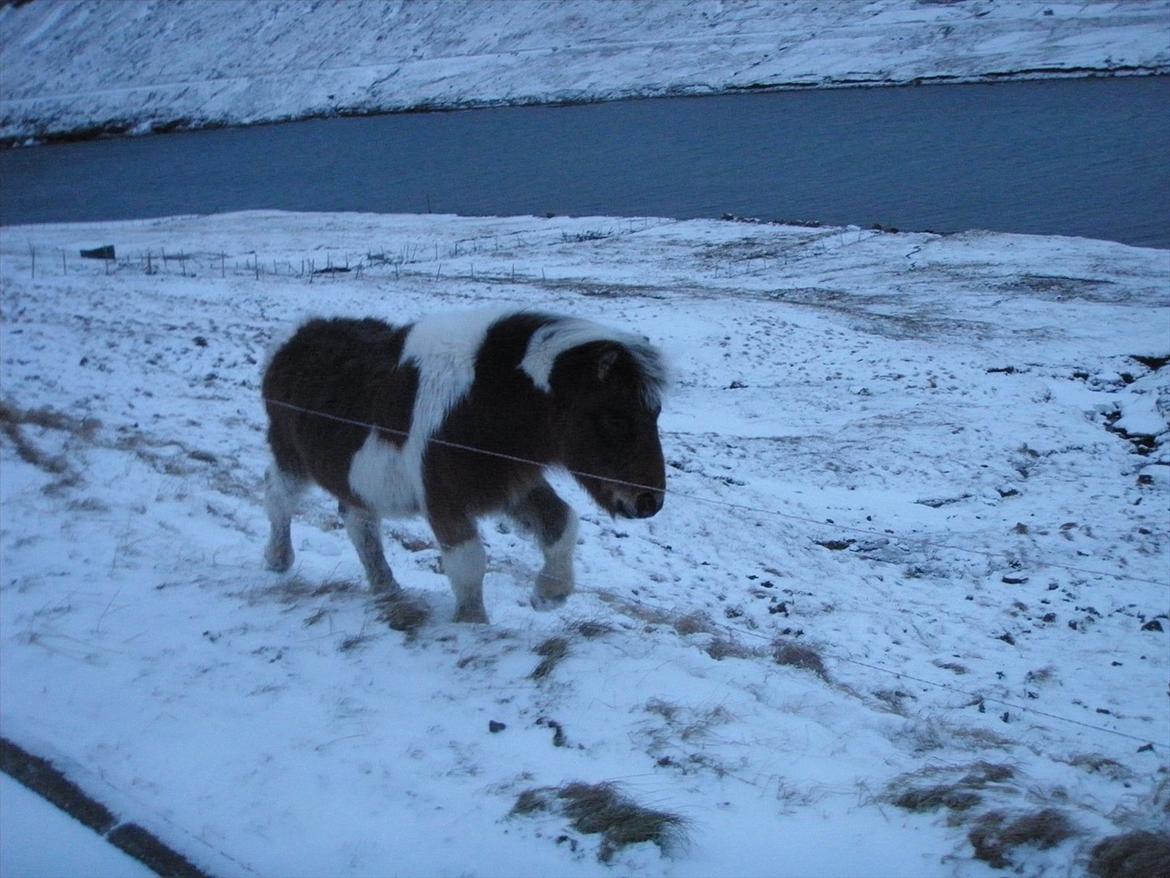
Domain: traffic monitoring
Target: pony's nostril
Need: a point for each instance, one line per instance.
(648, 503)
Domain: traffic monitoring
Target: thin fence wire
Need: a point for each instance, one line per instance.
(740, 507)
(975, 696)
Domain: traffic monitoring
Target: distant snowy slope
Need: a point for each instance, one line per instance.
(134, 65)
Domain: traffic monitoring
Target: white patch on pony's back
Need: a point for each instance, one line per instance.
(443, 348)
(564, 334)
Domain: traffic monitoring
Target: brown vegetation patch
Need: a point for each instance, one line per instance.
(948, 796)
(980, 774)
(995, 835)
(602, 809)
(728, 647)
(1132, 855)
(591, 629)
(797, 655)
(553, 650)
(694, 623)
(956, 790)
(402, 613)
(13, 418)
(45, 417)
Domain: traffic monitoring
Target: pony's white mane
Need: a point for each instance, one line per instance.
(566, 333)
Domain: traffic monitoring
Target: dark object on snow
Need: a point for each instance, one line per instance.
(553, 650)
(996, 835)
(785, 652)
(1132, 855)
(559, 739)
(456, 417)
(106, 252)
(605, 810)
(495, 727)
(45, 779)
(140, 844)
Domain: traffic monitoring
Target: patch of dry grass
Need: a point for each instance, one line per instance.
(602, 809)
(957, 790)
(933, 798)
(996, 835)
(12, 418)
(799, 655)
(722, 647)
(1132, 855)
(591, 629)
(693, 623)
(553, 651)
(402, 613)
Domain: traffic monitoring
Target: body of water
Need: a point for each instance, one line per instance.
(1087, 157)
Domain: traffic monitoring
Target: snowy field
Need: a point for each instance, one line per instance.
(904, 613)
(72, 69)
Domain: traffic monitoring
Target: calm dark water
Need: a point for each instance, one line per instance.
(1074, 157)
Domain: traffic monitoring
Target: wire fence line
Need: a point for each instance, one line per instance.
(740, 507)
(748, 633)
(975, 696)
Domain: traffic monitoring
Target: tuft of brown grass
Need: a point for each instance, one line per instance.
(949, 796)
(591, 629)
(10, 421)
(531, 801)
(797, 655)
(694, 623)
(956, 789)
(980, 774)
(603, 809)
(728, 647)
(1132, 855)
(12, 418)
(553, 650)
(402, 613)
(46, 418)
(995, 835)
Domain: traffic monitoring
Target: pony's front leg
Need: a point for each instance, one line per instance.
(464, 562)
(554, 525)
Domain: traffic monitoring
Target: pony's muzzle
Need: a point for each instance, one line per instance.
(648, 503)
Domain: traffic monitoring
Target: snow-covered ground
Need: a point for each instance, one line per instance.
(909, 587)
(68, 68)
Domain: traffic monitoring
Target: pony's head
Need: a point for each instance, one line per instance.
(608, 395)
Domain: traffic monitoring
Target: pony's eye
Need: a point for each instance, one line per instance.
(614, 427)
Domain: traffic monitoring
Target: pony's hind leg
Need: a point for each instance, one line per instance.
(365, 533)
(554, 525)
(282, 489)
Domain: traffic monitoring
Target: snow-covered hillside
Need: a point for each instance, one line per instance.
(905, 611)
(72, 68)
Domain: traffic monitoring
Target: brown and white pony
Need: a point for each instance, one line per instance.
(454, 417)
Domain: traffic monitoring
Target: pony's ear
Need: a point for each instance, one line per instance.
(586, 368)
(606, 362)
